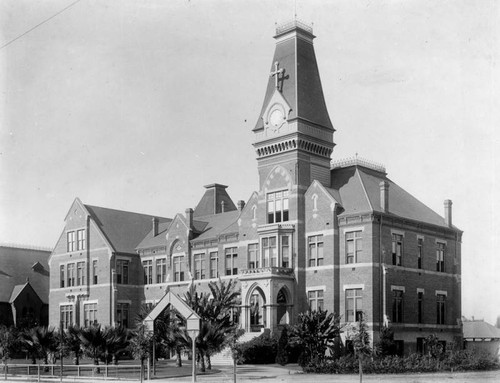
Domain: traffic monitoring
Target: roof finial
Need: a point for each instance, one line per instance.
(295, 11)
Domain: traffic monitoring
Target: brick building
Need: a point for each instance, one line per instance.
(338, 235)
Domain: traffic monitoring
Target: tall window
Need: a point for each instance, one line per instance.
(440, 256)
(397, 306)
(66, 316)
(148, 271)
(122, 271)
(80, 273)
(420, 307)
(94, 272)
(269, 252)
(199, 266)
(253, 256)
(61, 273)
(161, 270)
(315, 250)
(214, 264)
(397, 249)
(71, 274)
(420, 252)
(178, 268)
(353, 305)
(315, 299)
(231, 254)
(441, 301)
(90, 314)
(277, 206)
(122, 310)
(354, 246)
(257, 312)
(71, 240)
(285, 251)
(80, 235)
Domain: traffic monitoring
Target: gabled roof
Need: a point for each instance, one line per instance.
(124, 230)
(155, 240)
(218, 224)
(18, 289)
(359, 189)
(480, 330)
(301, 83)
(16, 266)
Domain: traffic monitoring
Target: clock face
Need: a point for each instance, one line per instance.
(276, 118)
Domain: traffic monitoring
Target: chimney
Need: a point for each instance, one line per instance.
(447, 212)
(384, 196)
(155, 226)
(241, 205)
(189, 217)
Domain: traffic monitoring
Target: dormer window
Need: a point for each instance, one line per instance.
(277, 206)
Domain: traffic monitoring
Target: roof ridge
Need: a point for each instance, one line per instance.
(126, 211)
(364, 189)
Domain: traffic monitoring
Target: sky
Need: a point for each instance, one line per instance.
(135, 105)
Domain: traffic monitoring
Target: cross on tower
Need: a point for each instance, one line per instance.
(276, 73)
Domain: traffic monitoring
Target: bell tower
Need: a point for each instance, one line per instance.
(294, 129)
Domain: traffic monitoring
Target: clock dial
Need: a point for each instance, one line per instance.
(276, 118)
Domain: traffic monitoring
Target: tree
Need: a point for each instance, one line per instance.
(7, 342)
(44, 341)
(140, 345)
(74, 343)
(170, 333)
(216, 315)
(315, 333)
(282, 354)
(116, 340)
(93, 343)
(386, 345)
(361, 343)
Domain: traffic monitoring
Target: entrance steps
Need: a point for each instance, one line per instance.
(225, 357)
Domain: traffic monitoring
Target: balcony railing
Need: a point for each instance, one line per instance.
(273, 270)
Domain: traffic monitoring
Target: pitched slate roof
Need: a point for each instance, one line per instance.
(480, 329)
(18, 289)
(155, 240)
(359, 188)
(16, 266)
(218, 224)
(301, 85)
(211, 202)
(124, 230)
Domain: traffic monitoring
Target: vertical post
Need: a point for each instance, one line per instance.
(193, 359)
(61, 350)
(38, 373)
(234, 368)
(149, 368)
(154, 357)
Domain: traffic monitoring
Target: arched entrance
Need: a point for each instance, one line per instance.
(257, 305)
(282, 302)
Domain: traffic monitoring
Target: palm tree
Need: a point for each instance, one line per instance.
(73, 342)
(93, 343)
(116, 340)
(7, 342)
(170, 333)
(140, 345)
(44, 341)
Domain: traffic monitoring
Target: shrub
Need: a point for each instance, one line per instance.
(260, 350)
(282, 348)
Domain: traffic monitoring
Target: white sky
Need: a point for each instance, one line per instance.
(135, 105)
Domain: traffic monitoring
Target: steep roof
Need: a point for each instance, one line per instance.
(300, 82)
(16, 267)
(213, 198)
(480, 329)
(359, 188)
(218, 224)
(123, 229)
(152, 240)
